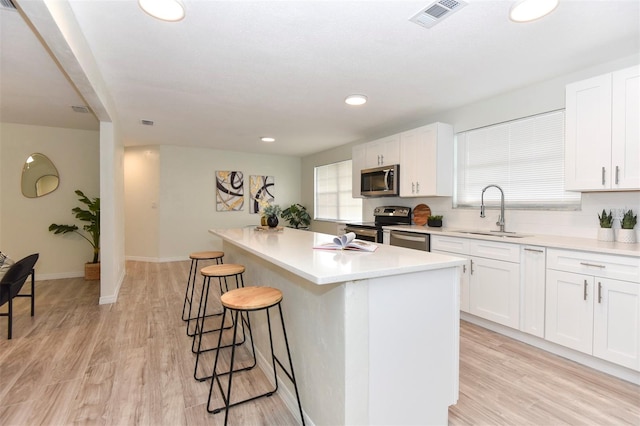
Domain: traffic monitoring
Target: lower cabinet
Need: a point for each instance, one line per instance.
(494, 291)
(593, 314)
(532, 297)
(490, 285)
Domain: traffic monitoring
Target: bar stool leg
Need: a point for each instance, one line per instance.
(188, 299)
(292, 377)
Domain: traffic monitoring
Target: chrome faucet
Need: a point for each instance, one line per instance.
(500, 221)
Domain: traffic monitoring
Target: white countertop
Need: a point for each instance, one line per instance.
(292, 250)
(571, 243)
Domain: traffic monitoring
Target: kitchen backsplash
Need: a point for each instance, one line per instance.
(582, 223)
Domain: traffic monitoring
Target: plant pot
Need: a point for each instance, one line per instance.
(605, 234)
(626, 236)
(92, 271)
(263, 221)
(272, 221)
(434, 223)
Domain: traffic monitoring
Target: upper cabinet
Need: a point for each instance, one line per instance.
(602, 146)
(382, 152)
(425, 156)
(426, 161)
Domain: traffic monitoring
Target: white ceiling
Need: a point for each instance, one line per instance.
(233, 71)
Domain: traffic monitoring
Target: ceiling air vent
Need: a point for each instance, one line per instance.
(436, 12)
(146, 122)
(80, 109)
(7, 4)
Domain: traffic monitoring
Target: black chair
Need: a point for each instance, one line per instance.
(12, 283)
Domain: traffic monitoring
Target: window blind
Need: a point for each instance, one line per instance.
(525, 157)
(333, 197)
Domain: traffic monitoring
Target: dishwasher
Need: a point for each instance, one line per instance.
(412, 240)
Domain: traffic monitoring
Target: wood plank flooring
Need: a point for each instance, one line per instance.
(130, 363)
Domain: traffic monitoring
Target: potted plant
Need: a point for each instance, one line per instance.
(627, 233)
(271, 213)
(91, 233)
(434, 221)
(297, 216)
(605, 233)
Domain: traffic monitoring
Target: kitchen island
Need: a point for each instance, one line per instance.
(374, 336)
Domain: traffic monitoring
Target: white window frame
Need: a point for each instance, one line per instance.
(525, 157)
(333, 199)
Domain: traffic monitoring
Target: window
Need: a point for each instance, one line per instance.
(333, 197)
(525, 157)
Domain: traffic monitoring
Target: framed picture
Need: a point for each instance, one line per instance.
(260, 192)
(229, 191)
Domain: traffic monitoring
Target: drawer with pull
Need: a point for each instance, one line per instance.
(625, 268)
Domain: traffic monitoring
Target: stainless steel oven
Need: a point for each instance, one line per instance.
(385, 215)
(364, 232)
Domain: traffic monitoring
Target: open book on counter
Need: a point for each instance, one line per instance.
(347, 242)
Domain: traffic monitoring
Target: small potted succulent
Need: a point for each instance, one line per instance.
(271, 213)
(605, 233)
(627, 234)
(434, 221)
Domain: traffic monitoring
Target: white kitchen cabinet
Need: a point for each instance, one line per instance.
(602, 146)
(532, 278)
(426, 159)
(358, 153)
(588, 310)
(464, 279)
(616, 322)
(492, 286)
(383, 152)
(494, 291)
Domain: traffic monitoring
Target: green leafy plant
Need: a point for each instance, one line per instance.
(272, 210)
(91, 215)
(606, 220)
(297, 216)
(435, 217)
(629, 220)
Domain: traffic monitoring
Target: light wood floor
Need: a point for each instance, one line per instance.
(130, 363)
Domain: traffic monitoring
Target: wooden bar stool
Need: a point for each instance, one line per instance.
(246, 300)
(191, 282)
(225, 273)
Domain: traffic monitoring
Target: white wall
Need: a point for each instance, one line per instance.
(545, 96)
(170, 197)
(24, 222)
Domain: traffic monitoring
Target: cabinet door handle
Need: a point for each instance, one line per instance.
(382, 160)
(417, 187)
(603, 175)
(599, 292)
(593, 264)
(464, 269)
(617, 174)
(413, 188)
(534, 250)
(471, 267)
(584, 296)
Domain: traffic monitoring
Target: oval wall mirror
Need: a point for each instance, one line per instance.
(39, 176)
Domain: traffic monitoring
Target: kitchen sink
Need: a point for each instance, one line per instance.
(495, 234)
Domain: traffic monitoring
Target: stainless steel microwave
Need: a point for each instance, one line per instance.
(380, 181)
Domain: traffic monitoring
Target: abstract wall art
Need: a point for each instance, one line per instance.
(261, 192)
(229, 191)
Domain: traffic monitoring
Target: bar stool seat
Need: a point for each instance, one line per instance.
(191, 282)
(224, 272)
(246, 300)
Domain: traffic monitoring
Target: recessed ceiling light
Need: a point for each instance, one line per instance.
(267, 139)
(356, 100)
(530, 10)
(166, 10)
